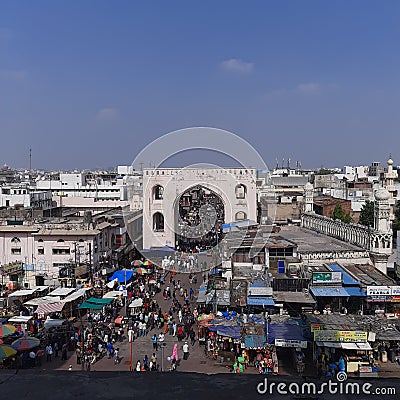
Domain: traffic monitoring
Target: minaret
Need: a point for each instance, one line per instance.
(381, 238)
(389, 183)
(308, 198)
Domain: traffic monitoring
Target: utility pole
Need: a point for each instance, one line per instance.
(30, 160)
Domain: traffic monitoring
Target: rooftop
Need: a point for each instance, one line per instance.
(311, 242)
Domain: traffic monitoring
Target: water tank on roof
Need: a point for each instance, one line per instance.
(87, 217)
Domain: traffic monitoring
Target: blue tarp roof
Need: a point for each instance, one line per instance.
(285, 332)
(258, 283)
(229, 331)
(215, 271)
(254, 341)
(121, 274)
(328, 292)
(225, 226)
(347, 278)
(260, 301)
(355, 292)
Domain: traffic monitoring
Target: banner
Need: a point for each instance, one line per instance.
(340, 336)
(327, 277)
(291, 343)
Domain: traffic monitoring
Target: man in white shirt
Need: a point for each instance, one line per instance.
(185, 349)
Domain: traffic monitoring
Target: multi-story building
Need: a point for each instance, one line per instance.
(174, 197)
(43, 253)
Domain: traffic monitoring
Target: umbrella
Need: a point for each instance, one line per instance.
(6, 351)
(25, 343)
(7, 330)
(137, 263)
(148, 263)
(141, 271)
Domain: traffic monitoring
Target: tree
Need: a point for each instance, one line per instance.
(367, 214)
(396, 222)
(338, 213)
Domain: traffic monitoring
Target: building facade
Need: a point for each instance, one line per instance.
(163, 190)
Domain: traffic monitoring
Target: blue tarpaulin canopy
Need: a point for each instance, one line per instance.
(228, 331)
(328, 292)
(254, 341)
(260, 301)
(284, 332)
(122, 275)
(355, 292)
(347, 278)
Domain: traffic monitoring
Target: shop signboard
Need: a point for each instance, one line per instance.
(315, 327)
(395, 290)
(291, 343)
(396, 299)
(326, 277)
(378, 291)
(379, 299)
(340, 336)
(260, 291)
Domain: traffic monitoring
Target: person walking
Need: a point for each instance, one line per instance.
(155, 344)
(192, 337)
(180, 316)
(174, 327)
(185, 349)
(56, 349)
(49, 352)
(64, 352)
(116, 356)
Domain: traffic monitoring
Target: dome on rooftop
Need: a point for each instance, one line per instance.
(382, 194)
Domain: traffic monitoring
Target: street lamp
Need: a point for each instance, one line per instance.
(130, 338)
(162, 355)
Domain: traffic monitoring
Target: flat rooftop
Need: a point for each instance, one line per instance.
(310, 242)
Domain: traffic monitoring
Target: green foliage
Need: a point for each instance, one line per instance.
(338, 213)
(396, 222)
(367, 214)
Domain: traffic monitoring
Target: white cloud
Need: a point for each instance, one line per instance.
(106, 114)
(309, 88)
(237, 65)
(13, 74)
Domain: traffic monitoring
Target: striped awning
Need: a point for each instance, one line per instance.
(50, 308)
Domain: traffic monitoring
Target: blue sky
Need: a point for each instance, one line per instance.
(88, 84)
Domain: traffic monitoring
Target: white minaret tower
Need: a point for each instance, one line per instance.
(389, 182)
(381, 238)
(309, 198)
(382, 211)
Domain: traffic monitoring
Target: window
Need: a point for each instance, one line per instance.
(61, 251)
(158, 192)
(40, 241)
(240, 215)
(60, 241)
(15, 240)
(40, 251)
(16, 251)
(158, 222)
(240, 191)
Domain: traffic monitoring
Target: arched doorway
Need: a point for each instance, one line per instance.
(199, 215)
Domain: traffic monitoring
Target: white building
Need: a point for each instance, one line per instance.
(22, 195)
(163, 189)
(97, 185)
(41, 254)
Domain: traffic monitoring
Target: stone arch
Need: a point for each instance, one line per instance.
(157, 192)
(158, 222)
